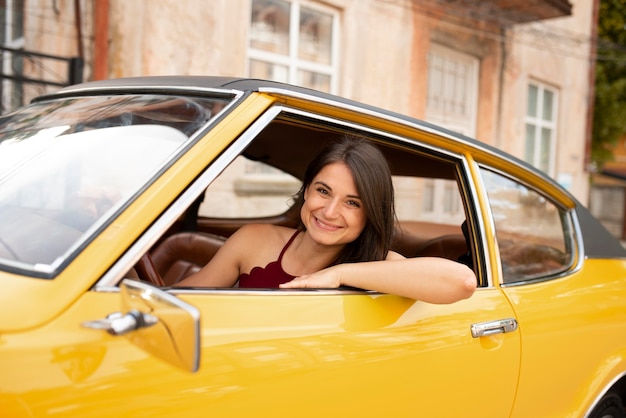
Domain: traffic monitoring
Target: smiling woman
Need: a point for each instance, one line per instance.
(346, 206)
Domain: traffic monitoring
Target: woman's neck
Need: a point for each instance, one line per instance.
(306, 256)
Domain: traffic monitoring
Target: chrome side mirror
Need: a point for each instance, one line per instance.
(157, 322)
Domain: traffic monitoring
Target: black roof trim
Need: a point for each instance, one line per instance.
(614, 173)
(598, 241)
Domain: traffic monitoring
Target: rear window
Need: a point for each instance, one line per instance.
(535, 235)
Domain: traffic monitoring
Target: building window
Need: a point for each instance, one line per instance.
(452, 89)
(11, 36)
(293, 42)
(541, 111)
(451, 102)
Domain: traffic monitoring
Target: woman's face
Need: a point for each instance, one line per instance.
(333, 211)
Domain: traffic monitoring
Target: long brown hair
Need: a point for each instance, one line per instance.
(372, 178)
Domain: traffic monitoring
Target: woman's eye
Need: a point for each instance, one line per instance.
(322, 190)
(354, 203)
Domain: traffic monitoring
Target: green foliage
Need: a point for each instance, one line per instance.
(609, 123)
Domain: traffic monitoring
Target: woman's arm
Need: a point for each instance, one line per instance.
(223, 269)
(429, 279)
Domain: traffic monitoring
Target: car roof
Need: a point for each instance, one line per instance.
(210, 84)
(200, 84)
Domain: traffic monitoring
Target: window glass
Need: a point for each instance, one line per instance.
(314, 80)
(68, 166)
(269, 28)
(269, 71)
(12, 36)
(546, 147)
(534, 234)
(529, 146)
(316, 30)
(541, 127)
(531, 106)
(12, 17)
(548, 98)
(451, 99)
(293, 43)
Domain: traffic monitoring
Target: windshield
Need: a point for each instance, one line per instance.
(67, 166)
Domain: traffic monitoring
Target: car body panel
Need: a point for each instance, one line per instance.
(258, 346)
(562, 340)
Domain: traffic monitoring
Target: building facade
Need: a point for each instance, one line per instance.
(515, 74)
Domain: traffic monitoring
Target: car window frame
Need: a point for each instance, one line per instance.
(113, 277)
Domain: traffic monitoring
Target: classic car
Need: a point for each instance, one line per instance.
(113, 191)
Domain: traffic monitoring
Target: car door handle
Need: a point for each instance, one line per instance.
(483, 329)
(119, 324)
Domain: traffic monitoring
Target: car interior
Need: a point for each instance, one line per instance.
(283, 149)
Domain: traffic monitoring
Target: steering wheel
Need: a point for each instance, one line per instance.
(147, 271)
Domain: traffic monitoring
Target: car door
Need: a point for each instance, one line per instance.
(357, 354)
(570, 307)
(305, 353)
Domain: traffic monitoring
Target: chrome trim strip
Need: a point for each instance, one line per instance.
(141, 89)
(489, 216)
(257, 292)
(480, 219)
(603, 392)
(231, 291)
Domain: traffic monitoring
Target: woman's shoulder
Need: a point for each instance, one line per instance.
(258, 244)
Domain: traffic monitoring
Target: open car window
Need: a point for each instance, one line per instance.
(259, 185)
(249, 189)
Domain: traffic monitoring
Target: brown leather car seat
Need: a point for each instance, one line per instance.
(183, 254)
(451, 246)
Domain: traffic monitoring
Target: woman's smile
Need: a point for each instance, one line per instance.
(325, 225)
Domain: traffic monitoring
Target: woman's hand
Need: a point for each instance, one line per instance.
(327, 278)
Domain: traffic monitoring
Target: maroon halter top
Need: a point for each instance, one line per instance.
(270, 276)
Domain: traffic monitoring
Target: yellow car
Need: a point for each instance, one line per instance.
(111, 192)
